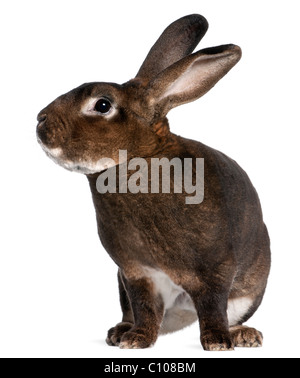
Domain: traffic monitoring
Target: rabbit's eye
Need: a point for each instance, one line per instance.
(96, 107)
(102, 106)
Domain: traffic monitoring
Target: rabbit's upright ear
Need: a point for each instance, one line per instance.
(177, 41)
(191, 77)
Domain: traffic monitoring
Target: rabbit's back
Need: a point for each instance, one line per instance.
(225, 228)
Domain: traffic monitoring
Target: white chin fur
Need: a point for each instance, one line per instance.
(85, 167)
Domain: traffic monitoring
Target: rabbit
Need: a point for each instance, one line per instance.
(177, 263)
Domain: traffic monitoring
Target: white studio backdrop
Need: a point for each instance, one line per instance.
(58, 287)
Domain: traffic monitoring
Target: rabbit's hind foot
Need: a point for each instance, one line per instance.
(243, 336)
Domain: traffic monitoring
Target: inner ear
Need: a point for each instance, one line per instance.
(191, 77)
(196, 77)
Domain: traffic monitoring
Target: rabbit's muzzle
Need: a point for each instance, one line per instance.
(50, 132)
(41, 119)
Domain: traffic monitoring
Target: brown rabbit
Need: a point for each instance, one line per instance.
(178, 262)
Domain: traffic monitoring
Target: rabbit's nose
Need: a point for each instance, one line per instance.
(41, 119)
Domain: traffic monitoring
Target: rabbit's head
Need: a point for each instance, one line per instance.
(94, 121)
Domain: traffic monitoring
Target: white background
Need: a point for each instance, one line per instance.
(58, 287)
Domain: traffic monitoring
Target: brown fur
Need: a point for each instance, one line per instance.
(217, 250)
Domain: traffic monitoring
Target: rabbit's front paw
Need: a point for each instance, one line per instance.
(115, 334)
(136, 339)
(216, 341)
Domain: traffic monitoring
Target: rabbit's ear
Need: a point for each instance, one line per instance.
(176, 42)
(191, 77)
